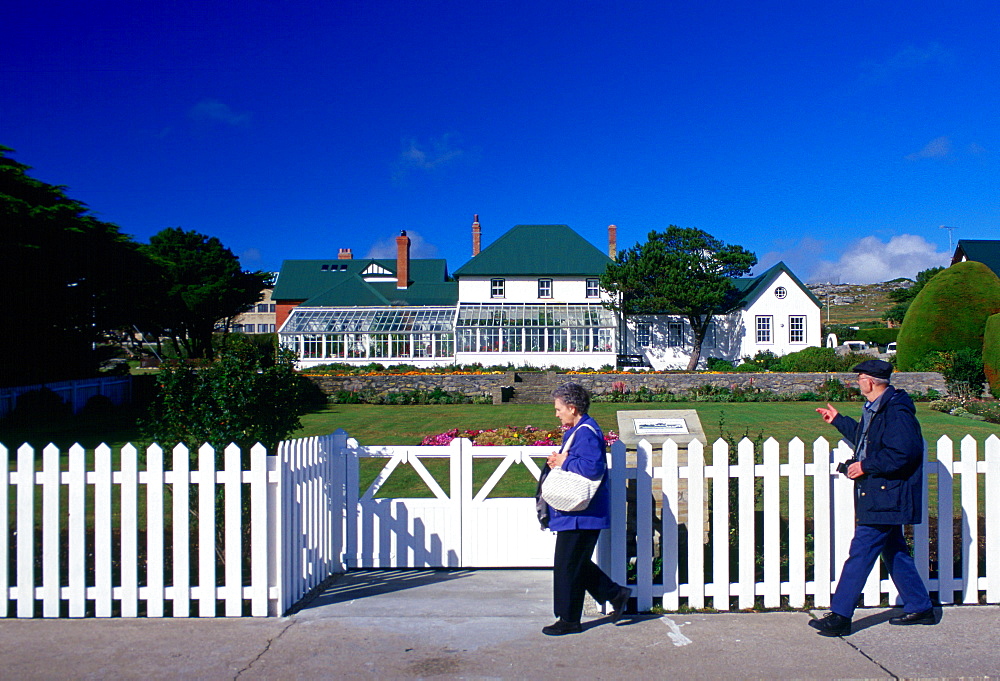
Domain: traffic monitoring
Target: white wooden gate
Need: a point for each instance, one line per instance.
(454, 528)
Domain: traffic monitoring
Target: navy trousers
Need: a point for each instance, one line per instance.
(870, 541)
(574, 572)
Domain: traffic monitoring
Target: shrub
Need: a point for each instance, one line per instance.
(991, 354)
(765, 360)
(246, 396)
(962, 370)
(39, 405)
(877, 336)
(718, 364)
(949, 313)
(815, 360)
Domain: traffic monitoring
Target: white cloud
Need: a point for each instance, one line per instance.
(869, 260)
(426, 156)
(214, 111)
(909, 57)
(939, 147)
(386, 248)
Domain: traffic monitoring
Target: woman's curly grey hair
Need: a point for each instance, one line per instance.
(573, 395)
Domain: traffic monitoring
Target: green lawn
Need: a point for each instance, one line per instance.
(389, 425)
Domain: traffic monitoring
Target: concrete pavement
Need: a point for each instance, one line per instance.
(485, 624)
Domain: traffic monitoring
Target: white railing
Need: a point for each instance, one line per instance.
(211, 540)
(118, 389)
(830, 506)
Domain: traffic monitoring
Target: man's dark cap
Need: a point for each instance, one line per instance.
(875, 368)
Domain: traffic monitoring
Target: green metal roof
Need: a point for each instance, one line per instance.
(986, 251)
(341, 283)
(750, 287)
(537, 250)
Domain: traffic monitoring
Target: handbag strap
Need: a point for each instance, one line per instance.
(569, 440)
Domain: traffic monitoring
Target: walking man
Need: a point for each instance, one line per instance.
(887, 474)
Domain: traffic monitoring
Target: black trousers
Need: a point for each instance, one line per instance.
(574, 573)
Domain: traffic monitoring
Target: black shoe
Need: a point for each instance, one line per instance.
(925, 617)
(620, 602)
(561, 627)
(832, 624)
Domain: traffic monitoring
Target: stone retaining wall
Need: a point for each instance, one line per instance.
(491, 384)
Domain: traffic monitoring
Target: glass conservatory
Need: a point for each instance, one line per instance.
(435, 335)
(371, 334)
(528, 328)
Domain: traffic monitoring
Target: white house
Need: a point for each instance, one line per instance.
(530, 298)
(774, 312)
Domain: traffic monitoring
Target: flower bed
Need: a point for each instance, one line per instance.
(975, 409)
(509, 436)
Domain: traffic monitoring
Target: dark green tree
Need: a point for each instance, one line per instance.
(681, 271)
(904, 296)
(248, 395)
(202, 284)
(69, 279)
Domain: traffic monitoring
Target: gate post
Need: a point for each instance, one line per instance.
(461, 495)
(275, 542)
(337, 469)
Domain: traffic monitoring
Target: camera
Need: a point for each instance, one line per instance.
(843, 465)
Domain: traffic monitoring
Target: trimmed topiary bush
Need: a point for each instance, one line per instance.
(877, 336)
(949, 313)
(991, 354)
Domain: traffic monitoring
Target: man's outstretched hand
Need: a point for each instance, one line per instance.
(828, 414)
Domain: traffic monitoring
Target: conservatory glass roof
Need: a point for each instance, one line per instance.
(550, 314)
(370, 320)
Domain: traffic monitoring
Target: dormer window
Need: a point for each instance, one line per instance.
(544, 288)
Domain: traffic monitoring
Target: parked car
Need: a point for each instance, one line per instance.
(855, 345)
(890, 349)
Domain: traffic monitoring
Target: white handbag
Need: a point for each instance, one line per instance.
(568, 491)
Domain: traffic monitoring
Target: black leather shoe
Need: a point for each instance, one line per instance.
(620, 602)
(925, 617)
(832, 624)
(561, 627)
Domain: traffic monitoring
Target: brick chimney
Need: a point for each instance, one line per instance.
(476, 234)
(402, 260)
(345, 254)
(612, 242)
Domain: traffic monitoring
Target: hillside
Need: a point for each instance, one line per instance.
(854, 303)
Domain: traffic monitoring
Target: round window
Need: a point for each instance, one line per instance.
(780, 292)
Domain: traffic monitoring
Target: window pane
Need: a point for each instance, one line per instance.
(642, 335)
(797, 329)
(764, 329)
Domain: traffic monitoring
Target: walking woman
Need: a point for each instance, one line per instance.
(577, 531)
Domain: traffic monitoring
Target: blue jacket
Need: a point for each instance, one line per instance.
(889, 492)
(587, 457)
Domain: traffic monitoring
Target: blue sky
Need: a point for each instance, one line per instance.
(838, 137)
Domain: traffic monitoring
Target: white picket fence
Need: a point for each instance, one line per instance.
(832, 513)
(284, 523)
(293, 516)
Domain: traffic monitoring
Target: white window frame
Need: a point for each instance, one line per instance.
(498, 288)
(544, 288)
(764, 327)
(643, 334)
(593, 288)
(799, 320)
(675, 334)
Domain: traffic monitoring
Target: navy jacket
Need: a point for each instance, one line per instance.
(587, 457)
(889, 492)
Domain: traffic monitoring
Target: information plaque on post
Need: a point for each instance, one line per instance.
(656, 426)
